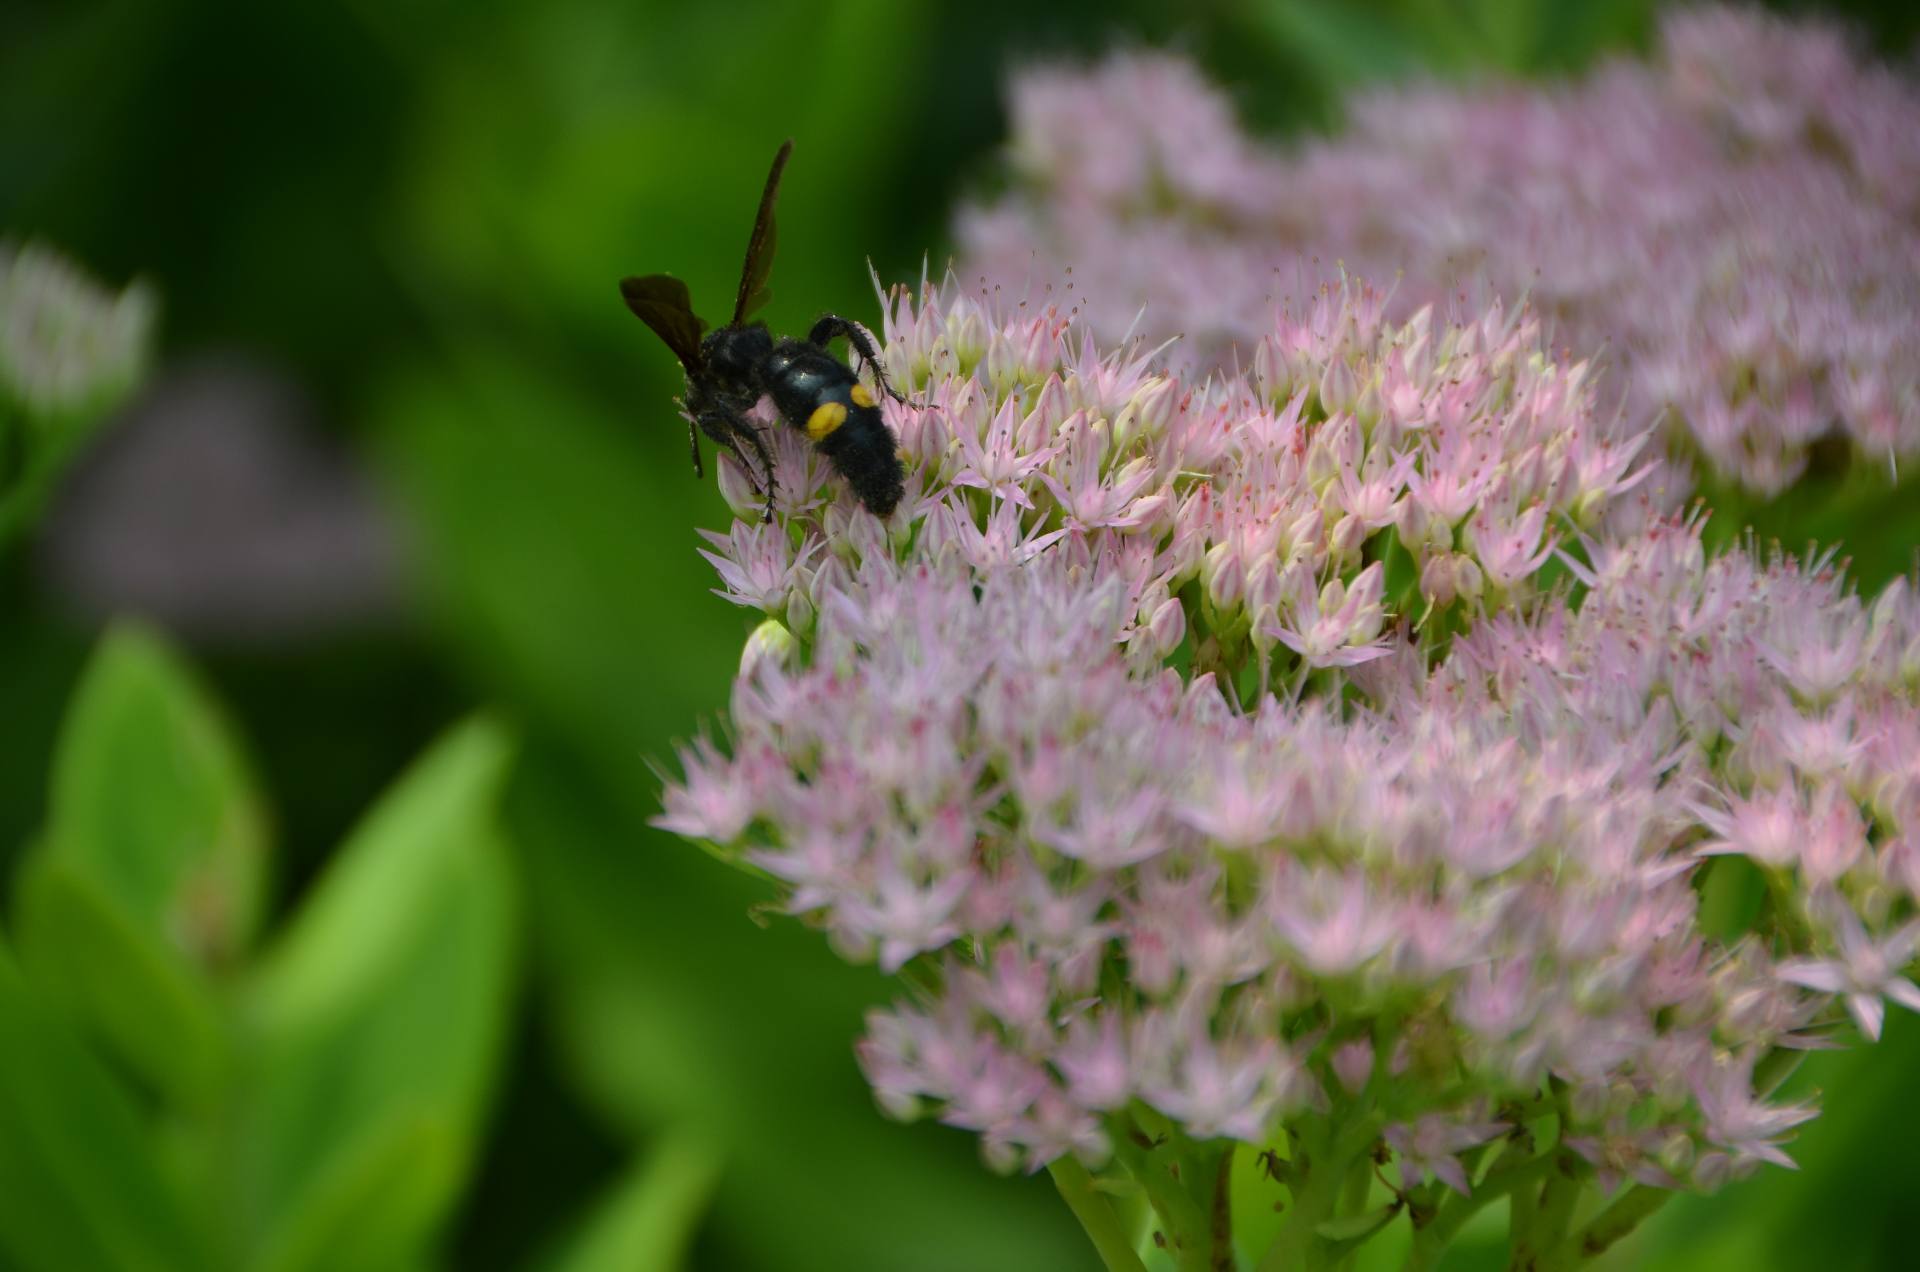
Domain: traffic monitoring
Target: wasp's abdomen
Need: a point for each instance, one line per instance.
(821, 396)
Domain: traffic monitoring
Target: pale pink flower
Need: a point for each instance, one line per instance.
(1430, 1146)
(1865, 970)
(1337, 627)
(1735, 1119)
(1222, 1088)
(713, 800)
(1332, 922)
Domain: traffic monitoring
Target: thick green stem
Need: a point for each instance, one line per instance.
(1513, 1173)
(1359, 1188)
(1154, 1165)
(1102, 1226)
(1547, 1226)
(1610, 1225)
(1221, 1212)
(1320, 1172)
(1353, 1204)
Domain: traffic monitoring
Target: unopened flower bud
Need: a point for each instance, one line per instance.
(1467, 579)
(1169, 627)
(1147, 412)
(800, 609)
(1353, 1064)
(770, 644)
(1336, 445)
(737, 488)
(1339, 390)
(1348, 534)
(1711, 1171)
(1224, 576)
(1590, 1102)
(1263, 586)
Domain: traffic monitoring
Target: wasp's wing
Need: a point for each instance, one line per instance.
(753, 275)
(664, 304)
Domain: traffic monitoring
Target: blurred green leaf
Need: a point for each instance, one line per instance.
(550, 564)
(153, 801)
(1342, 44)
(375, 1201)
(148, 1006)
(80, 1186)
(1732, 891)
(377, 1025)
(150, 872)
(647, 1221)
(1872, 519)
(622, 154)
(1348, 42)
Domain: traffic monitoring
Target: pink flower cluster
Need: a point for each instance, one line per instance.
(1736, 224)
(1348, 742)
(1286, 498)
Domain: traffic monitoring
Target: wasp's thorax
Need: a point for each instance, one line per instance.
(736, 353)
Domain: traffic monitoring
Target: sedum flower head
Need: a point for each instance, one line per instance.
(1736, 223)
(1332, 747)
(66, 344)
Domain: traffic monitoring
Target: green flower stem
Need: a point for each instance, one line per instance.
(1158, 1167)
(1512, 1172)
(1326, 1154)
(1546, 1228)
(1359, 1188)
(1610, 1225)
(1102, 1226)
(1296, 1248)
(1221, 1211)
(1354, 1208)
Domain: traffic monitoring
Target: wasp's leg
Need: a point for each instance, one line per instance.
(693, 446)
(832, 326)
(759, 446)
(727, 427)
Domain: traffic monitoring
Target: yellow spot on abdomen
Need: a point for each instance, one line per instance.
(860, 395)
(825, 418)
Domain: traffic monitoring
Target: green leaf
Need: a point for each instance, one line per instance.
(1732, 891)
(80, 1186)
(152, 801)
(647, 1220)
(1353, 1227)
(1872, 519)
(150, 874)
(377, 1022)
(544, 525)
(147, 1006)
(373, 1202)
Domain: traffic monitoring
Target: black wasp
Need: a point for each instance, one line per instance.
(730, 369)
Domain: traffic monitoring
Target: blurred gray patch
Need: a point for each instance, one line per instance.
(216, 505)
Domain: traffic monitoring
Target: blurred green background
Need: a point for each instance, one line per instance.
(504, 1024)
